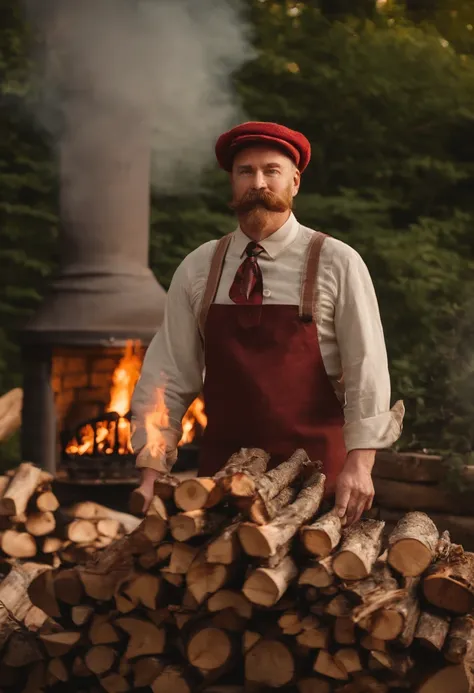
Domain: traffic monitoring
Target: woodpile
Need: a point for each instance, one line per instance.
(415, 481)
(248, 582)
(34, 527)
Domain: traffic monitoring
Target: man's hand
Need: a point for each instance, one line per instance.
(354, 486)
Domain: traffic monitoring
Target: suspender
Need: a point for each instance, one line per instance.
(309, 289)
(308, 294)
(215, 272)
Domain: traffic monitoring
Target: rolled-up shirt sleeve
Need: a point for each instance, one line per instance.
(370, 422)
(174, 364)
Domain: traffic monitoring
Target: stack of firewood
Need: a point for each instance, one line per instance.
(33, 526)
(246, 579)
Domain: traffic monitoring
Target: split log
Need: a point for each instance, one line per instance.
(412, 544)
(182, 556)
(42, 594)
(156, 556)
(270, 663)
(4, 482)
(225, 548)
(327, 665)
(173, 679)
(194, 523)
(21, 488)
(41, 523)
(81, 613)
(261, 512)
(349, 659)
(264, 541)
(344, 631)
(432, 629)
(209, 648)
(59, 644)
(109, 528)
(145, 637)
(87, 510)
(114, 683)
(52, 545)
(101, 631)
(380, 580)
(399, 619)
(318, 573)
(203, 579)
(450, 586)
(100, 659)
(18, 544)
(81, 531)
(268, 486)
(314, 685)
(142, 589)
(68, 587)
(146, 670)
(237, 476)
(359, 550)
(230, 599)
(46, 501)
(400, 663)
(339, 606)
(314, 638)
(322, 537)
(197, 494)
(460, 637)
(265, 586)
(57, 671)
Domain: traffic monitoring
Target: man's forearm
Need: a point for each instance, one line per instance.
(363, 458)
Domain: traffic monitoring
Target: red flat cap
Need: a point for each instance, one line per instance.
(292, 143)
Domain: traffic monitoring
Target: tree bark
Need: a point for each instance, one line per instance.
(261, 512)
(322, 537)
(459, 638)
(264, 541)
(359, 550)
(242, 468)
(21, 488)
(268, 486)
(412, 544)
(432, 629)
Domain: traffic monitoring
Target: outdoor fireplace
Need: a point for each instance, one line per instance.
(104, 298)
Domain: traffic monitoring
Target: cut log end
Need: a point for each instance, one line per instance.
(349, 566)
(254, 541)
(209, 649)
(410, 557)
(270, 663)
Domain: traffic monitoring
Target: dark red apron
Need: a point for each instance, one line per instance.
(265, 383)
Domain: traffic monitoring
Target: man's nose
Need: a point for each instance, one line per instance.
(259, 180)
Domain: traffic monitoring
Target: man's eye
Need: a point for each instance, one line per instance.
(273, 171)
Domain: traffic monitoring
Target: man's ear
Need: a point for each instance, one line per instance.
(296, 181)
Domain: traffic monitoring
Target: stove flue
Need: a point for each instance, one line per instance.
(105, 293)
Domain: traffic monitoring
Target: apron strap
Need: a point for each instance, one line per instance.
(213, 279)
(308, 300)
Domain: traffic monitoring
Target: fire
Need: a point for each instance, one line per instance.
(113, 434)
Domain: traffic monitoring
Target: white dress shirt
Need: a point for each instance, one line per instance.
(348, 322)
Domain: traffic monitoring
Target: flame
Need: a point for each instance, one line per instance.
(194, 414)
(113, 436)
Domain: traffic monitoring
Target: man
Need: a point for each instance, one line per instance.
(284, 323)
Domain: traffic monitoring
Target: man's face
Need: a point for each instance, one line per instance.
(264, 180)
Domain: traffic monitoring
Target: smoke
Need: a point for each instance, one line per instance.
(162, 67)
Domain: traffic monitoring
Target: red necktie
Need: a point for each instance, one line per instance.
(247, 287)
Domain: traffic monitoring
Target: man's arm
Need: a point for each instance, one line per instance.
(370, 423)
(173, 365)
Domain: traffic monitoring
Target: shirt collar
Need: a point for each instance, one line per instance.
(274, 244)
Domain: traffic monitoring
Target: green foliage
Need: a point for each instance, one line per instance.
(387, 99)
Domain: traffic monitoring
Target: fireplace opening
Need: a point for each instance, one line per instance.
(93, 389)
